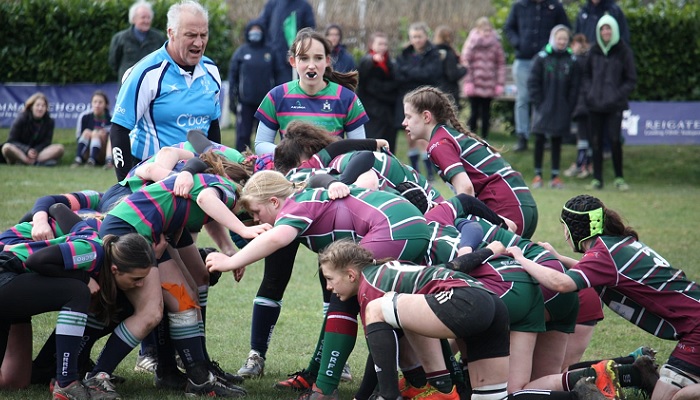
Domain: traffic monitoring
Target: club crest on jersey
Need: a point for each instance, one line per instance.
(326, 107)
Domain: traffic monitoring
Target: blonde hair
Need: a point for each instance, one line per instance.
(264, 185)
(442, 107)
(345, 253)
(483, 24)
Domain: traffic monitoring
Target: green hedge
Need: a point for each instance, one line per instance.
(67, 41)
(666, 43)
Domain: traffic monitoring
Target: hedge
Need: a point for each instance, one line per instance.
(67, 41)
(665, 41)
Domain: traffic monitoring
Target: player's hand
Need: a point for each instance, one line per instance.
(183, 184)
(42, 231)
(238, 274)
(547, 246)
(93, 286)
(251, 232)
(497, 247)
(338, 190)
(160, 247)
(382, 144)
(515, 252)
(218, 262)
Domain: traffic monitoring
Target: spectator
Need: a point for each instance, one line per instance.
(452, 70)
(132, 44)
(553, 86)
(341, 60)
(251, 74)
(171, 91)
(418, 64)
(377, 89)
(484, 58)
(527, 28)
(590, 13)
(582, 167)
(93, 133)
(31, 135)
(282, 20)
(609, 79)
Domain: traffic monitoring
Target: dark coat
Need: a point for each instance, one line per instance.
(609, 80)
(415, 70)
(580, 110)
(553, 86)
(452, 71)
(377, 90)
(125, 50)
(26, 133)
(273, 17)
(589, 14)
(342, 60)
(529, 23)
(251, 72)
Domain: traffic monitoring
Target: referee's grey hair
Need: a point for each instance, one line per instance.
(136, 6)
(190, 6)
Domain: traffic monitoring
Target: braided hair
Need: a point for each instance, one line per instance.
(586, 217)
(442, 106)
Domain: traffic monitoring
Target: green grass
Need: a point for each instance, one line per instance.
(663, 206)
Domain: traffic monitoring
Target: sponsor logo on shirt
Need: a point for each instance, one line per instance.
(298, 106)
(118, 109)
(83, 258)
(190, 120)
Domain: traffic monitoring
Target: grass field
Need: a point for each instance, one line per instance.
(663, 205)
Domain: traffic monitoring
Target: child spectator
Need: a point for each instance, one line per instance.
(92, 133)
(251, 74)
(341, 59)
(377, 89)
(582, 167)
(484, 58)
(31, 135)
(552, 85)
(608, 80)
(452, 70)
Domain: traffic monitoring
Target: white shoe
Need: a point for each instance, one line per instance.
(254, 366)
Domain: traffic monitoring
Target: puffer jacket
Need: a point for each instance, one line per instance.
(483, 55)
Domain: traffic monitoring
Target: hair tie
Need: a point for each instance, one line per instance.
(374, 261)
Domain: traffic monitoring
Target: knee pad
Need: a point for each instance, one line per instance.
(180, 294)
(183, 318)
(389, 311)
(674, 376)
(490, 392)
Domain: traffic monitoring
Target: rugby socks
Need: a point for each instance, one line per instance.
(415, 376)
(70, 327)
(535, 394)
(440, 380)
(118, 346)
(383, 345)
(186, 336)
(266, 312)
(339, 340)
(83, 144)
(95, 147)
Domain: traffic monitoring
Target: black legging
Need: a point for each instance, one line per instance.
(34, 294)
(480, 109)
(604, 125)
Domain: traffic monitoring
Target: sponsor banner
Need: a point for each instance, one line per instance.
(67, 102)
(650, 123)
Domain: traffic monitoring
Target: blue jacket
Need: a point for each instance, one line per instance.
(273, 16)
(251, 72)
(590, 13)
(342, 60)
(529, 24)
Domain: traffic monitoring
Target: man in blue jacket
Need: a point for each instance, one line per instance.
(527, 29)
(282, 19)
(251, 74)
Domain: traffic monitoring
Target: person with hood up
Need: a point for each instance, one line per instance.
(608, 80)
(482, 54)
(251, 74)
(590, 13)
(553, 86)
(341, 59)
